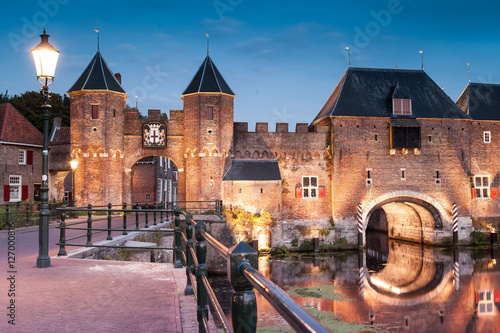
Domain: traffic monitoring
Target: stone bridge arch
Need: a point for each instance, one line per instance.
(408, 215)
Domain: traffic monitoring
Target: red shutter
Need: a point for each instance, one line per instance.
(24, 192)
(70, 196)
(298, 192)
(477, 297)
(494, 193)
(321, 191)
(496, 296)
(473, 193)
(29, 157)
(6, 193)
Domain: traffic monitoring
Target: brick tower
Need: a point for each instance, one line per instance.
(208, 131)
(97, 120)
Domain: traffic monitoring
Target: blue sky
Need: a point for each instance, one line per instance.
(281, 58)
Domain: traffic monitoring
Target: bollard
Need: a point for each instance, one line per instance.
(62, 234)
(454, 212)
(137, 216)
(177, 220)
(189, 244)
(89, 225)
(201, 271)
(109, 223)
(124, 207)
(155, 207)
(255, 244)
(243, 302)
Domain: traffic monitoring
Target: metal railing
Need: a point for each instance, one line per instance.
(24, 214)
(108, 213)
(243, 275)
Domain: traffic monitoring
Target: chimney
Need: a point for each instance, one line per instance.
(57, 122)
(118, 78)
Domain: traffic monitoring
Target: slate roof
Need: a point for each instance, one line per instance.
(481, 101)
(14, 127)
(252, 170)
(208, 79)
(368, 92)
(97, 76)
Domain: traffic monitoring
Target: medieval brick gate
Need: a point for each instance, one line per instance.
(309, 179)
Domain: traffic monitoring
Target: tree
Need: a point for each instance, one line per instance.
(29, 105)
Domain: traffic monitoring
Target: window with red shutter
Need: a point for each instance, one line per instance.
(29, 157)
(24, 192)
(95, 111)
(6, 193)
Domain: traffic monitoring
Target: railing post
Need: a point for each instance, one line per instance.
(161, 211)
(137, 216)
(243, 304)
(109, 223)
(89, 225)
(189, 258)
(155, 207)
(147, 213)
(124, 207)
(201, 271)
(62, 234)
(177, 220)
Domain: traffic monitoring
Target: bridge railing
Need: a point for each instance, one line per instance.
(242, 263)
(134, 217)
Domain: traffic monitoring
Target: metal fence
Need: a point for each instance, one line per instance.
(242, 263)
(24, 214)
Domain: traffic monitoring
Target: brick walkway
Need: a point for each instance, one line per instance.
(99, 296)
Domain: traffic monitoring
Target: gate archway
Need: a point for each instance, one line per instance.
(406, 215)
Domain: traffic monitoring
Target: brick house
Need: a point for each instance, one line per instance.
(154, 179)
(21, 147)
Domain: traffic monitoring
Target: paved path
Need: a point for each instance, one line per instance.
(76, 295)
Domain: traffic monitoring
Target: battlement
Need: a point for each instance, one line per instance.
(242, 127)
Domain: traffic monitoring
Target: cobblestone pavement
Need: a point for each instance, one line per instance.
(75, 295)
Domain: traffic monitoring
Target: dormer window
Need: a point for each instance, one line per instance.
(401, 106)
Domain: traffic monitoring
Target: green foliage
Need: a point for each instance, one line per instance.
(107, 257)
(306, 246)
(477, 237)
(341, 244)
(123, 255)
(29, 105)
(156, 238)
(208, 212)
(295, 242)
(447, 241)
(332, 223)
(324, 232)
(392, 231)
(281, 251)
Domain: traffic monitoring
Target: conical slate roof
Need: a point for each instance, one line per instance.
(208, 79)
(97, 76)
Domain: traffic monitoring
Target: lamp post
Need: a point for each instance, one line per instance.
(74, 165)
(45, 57)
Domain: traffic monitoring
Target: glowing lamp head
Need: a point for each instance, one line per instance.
(45, 57)
(74, 164)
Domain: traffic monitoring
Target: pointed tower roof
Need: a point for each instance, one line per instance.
(208, 79)
(97, 76)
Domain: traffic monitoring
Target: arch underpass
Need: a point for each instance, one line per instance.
(405, 218)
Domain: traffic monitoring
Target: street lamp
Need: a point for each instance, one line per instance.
(45, 57)
(74, 165)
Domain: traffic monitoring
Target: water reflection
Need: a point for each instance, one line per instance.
(395, 286)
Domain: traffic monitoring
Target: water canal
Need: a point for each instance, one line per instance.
(392, 286)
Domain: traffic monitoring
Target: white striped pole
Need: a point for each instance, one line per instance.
(360, 224)
(361, 282)
(454, 213)
(456, 269)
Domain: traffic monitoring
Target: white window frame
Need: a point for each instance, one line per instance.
(22, 157)
(161, 161)
(15, 183)
(309, 190)
(403, 173)
(159, 191)
(485, 306)
(482, 189)
(487, 136)
(400, 101)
